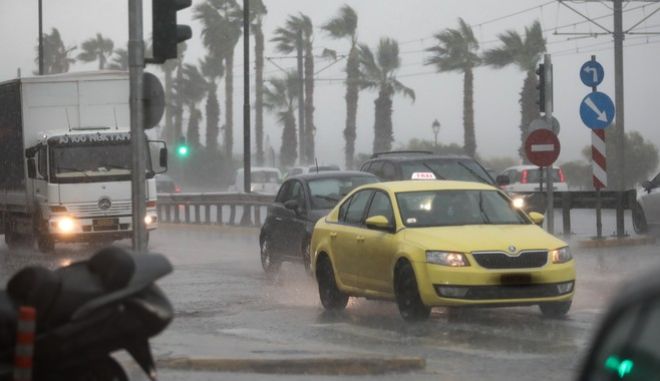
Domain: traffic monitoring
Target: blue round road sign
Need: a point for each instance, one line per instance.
(592, 73)
(597, 110)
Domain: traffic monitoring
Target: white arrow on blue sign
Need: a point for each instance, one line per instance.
(592, 73)
(597, 110)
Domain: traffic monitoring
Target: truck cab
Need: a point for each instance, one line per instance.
(80, 183)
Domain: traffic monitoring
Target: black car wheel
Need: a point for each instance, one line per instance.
(555, 310)
(639, 219)
(269, 264)
(331, 297)
(410, 303)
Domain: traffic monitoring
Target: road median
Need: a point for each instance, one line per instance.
(317, 366)
(616, 242)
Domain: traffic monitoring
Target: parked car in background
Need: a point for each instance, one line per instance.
(406, 165)
(646, 211)
(525, 178)
(165, 184)
(300, 202)
(264, 180)
(311, 169)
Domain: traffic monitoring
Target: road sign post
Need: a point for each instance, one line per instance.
(547, 66)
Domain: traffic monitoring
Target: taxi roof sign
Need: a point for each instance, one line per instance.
(423, 176)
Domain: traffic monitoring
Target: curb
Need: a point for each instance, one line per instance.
(616, 242)
(317, 366)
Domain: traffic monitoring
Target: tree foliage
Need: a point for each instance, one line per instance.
(280, 97)
(97, 48)
(56, 55)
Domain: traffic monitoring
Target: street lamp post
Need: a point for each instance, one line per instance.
(436, 129)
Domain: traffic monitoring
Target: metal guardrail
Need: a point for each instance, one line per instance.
(213, 208)
(225, 208)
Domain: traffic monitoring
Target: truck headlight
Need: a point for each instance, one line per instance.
(562, 255)
(445, 258)
(66, 225)
(148, 219)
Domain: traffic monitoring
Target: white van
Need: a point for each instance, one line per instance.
(264, 180)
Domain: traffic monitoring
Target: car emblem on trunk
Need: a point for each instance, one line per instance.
(105, 203)
(512, 249)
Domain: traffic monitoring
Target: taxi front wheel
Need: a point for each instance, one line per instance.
(410, 303)
(331, 297)
(555, 310)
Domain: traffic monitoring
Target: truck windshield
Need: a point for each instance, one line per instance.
(91, 163)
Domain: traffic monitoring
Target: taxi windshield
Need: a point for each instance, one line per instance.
(457, 207)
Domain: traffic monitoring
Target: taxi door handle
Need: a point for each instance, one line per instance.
(333, 235)
(360, 238)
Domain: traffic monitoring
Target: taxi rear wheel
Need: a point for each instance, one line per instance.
(410, 303)
(555, 310)
(331, 297)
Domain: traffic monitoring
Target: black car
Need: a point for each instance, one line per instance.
(301, 201)
(406, 165)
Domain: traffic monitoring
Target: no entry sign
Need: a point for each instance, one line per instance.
(542, 147)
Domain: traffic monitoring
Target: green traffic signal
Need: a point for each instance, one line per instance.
(182, 151)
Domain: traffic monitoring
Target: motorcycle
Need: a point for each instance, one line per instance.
(86, 311)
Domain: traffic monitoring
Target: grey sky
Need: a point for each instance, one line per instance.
(411, 22)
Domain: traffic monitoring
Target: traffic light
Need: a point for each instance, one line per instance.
(540, 72)
(182, 149)
(166, 32)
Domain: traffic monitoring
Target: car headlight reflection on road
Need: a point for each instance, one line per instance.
(518, 202)
(66, 225)
(446, 258)
(561, 255)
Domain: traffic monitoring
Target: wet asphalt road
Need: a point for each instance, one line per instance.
(226, 307)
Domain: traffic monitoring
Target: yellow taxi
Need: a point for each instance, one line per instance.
(439, 243)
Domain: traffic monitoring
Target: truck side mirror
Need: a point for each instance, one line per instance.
(31, 168)
(163, 157)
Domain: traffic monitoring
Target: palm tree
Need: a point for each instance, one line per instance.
(456, 50)
(211, 69)
(379, 72)
(287, 41)
(192, 89)
(98, 48)
(119, 60)
(524, 52)
(221, 28)
(280, 97)
(56, 55)
(257, 12)
(344, 25)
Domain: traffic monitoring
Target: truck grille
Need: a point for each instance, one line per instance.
(498, 260)
(93, 210)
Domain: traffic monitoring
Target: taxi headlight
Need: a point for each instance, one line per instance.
(561, 255)
(518, 202)
(66, 225)
(445, 258)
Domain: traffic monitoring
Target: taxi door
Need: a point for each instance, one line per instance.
(375, 261)
(347, 241)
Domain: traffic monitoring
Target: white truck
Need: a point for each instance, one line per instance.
(65, 160)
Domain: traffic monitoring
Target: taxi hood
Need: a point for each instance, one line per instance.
(469, 238)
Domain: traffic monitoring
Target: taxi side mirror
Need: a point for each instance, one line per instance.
(537, 218)
(378, 223)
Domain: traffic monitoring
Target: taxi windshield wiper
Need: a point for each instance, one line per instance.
(481, 208)
(437, 176)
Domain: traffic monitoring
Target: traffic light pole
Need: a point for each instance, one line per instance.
(136, 68)
(547, 66)
(618, 35)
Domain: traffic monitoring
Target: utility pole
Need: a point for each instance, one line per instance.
(247, 163)
(138, 168)
(41, 40)
(301, 100)
(619, 118)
